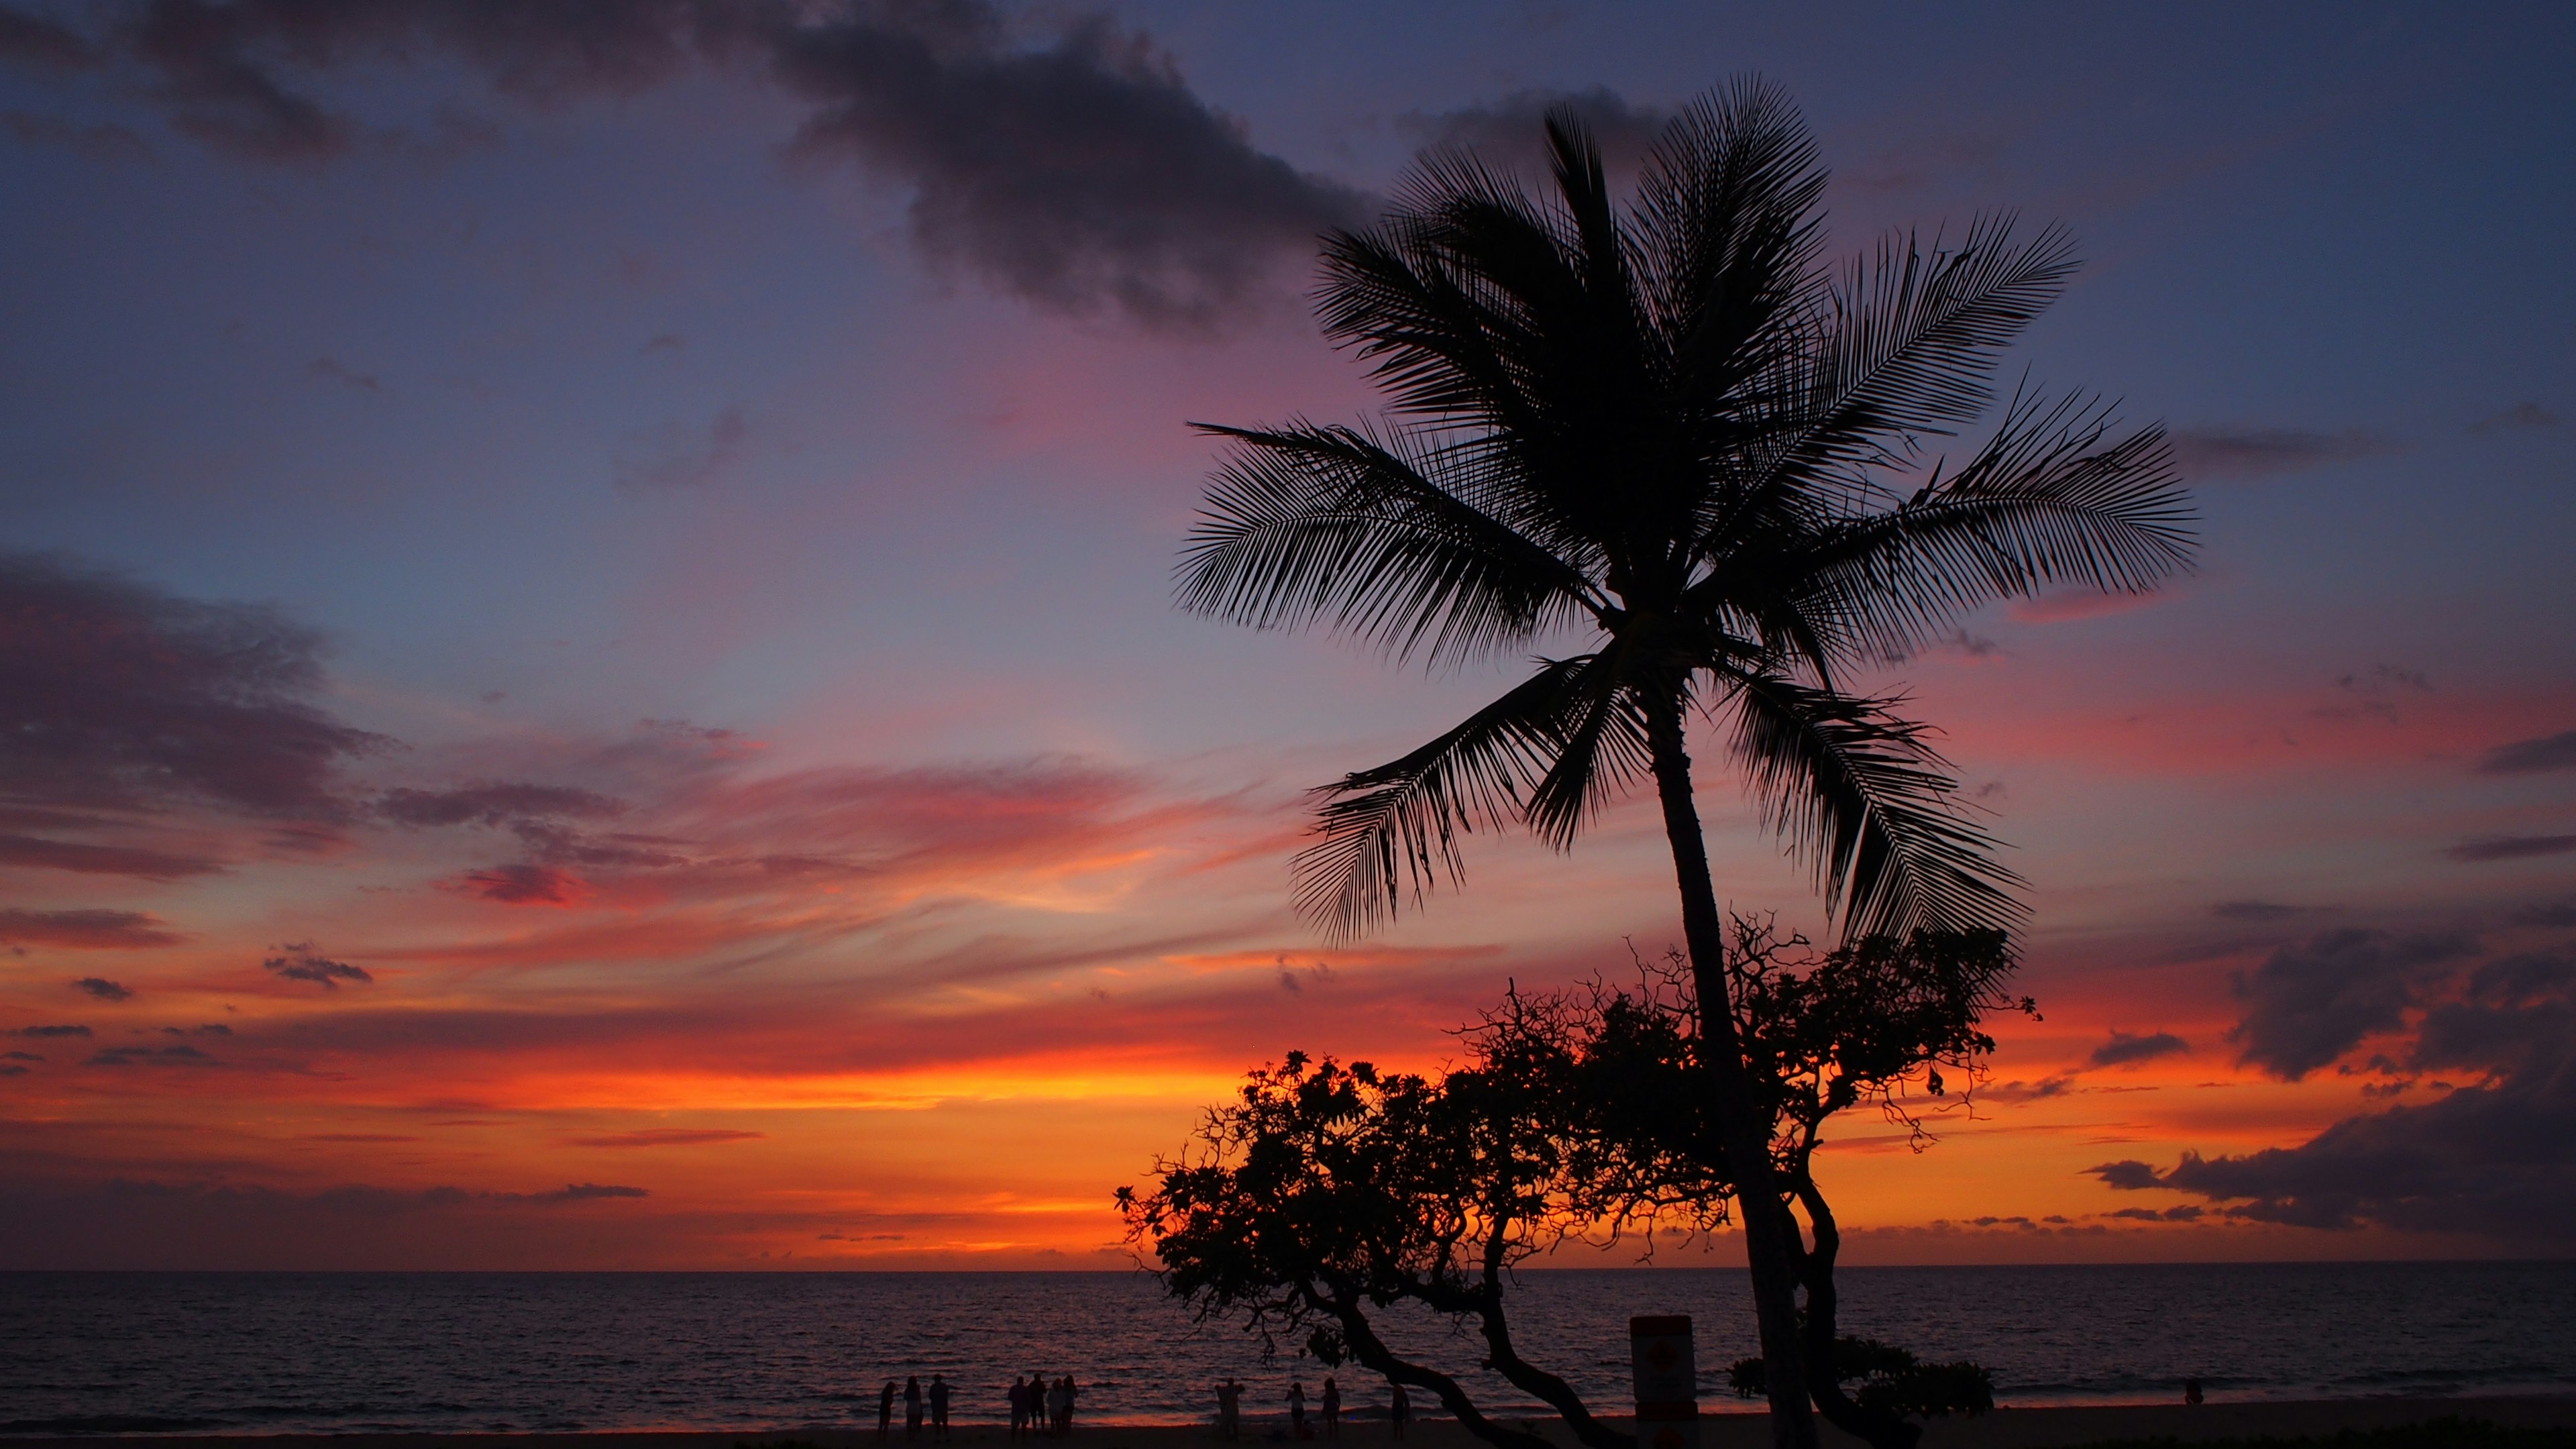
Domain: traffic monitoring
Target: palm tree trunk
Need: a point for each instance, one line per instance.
(1745, 1136)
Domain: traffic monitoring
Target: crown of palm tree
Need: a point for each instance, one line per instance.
(1671, 429)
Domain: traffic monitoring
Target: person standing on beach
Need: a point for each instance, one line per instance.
(885, 1409)
(1064, 1417)
(938, 1407)
(1229, 1410)
(1019, 1407)
(912, 1406)
(1296, 1408)
(1399, 1409)
(1332, 1408)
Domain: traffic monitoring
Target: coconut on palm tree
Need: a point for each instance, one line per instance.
(1669, 435)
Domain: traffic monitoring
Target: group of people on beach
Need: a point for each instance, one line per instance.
(1039, 1407)
(914, 1396)
(1229, 1409)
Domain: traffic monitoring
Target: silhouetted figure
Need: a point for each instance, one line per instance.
(1019, 1407)
(1060, 1401)
(2191, 1391)
(1229, 1410)
(885, 1409)
(1332, 1408)
(1296, 1408)
(1038, 1403)
(1399, 1409)
(938, 1407)
(912, 1406)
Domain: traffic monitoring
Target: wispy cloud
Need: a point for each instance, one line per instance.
(666, 1137)
(2520, 415)
(2486, 848)
(2124, 1049)
(2244, 452)
(2531, 757)
(90, 930)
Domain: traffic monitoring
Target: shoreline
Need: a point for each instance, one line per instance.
(2051, 1427)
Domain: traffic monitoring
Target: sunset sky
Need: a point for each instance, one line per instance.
(588, 674)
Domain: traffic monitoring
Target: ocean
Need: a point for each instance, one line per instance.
(250, 1353)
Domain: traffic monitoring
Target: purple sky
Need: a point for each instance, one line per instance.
(770, 437)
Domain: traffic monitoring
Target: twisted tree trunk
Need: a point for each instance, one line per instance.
(1816, 1268)
(1346, 1306)
(1770, 1233)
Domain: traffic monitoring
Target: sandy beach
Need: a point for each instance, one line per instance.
(2035, 1428)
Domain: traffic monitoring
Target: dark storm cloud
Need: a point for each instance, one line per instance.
(2524, 978)
(1509, 131)
(1078, 171)
(2497, 1160)
(101, 989)
(2123, 1048)
(40, 1033)
(2513, 1012)
(117, 696)
(84, 930)
(2310, 1003)
(2262, 452)
(299, 963)
(2511, 847)
(2531, 757)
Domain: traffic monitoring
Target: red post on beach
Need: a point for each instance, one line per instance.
(1667, 1382)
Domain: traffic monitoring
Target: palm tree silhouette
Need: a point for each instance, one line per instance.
(1668, 433)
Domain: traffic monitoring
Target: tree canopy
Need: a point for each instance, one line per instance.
(1326, 1193)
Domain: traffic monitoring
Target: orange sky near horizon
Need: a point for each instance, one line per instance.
(932, 1018)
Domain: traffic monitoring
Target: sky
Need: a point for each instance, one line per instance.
(588, 674)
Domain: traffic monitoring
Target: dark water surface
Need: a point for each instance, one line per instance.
(450, 1352)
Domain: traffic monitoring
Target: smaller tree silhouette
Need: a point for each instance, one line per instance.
(1326, 1194)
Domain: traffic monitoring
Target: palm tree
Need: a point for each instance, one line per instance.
(1670, 435)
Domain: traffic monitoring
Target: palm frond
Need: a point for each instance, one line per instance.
(1604, 751)
(1908, 351)
(2054, 498)
(1398, 825)
(1729, 223)
(1306, 523)
(1864, 799)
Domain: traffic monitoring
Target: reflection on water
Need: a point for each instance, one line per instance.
(277, 1352)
